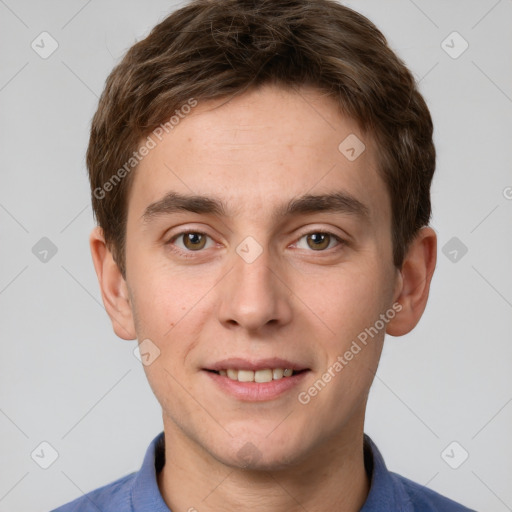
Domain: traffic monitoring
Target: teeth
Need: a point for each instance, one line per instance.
(262, 376)
(277, 373)
(245, 376)
(266, 375)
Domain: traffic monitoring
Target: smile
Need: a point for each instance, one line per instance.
(264, 375)
(259, 385)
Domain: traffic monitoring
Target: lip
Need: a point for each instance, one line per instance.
(255, 391)
(238, 363)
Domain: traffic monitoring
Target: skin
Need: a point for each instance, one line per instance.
(255, 153)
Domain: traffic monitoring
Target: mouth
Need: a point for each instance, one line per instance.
(265, 379)
(261, 376)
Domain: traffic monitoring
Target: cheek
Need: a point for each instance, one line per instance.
(346, 301)
(163, 298)
(166, 311)
(171, 312)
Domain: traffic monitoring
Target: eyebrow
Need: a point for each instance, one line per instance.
(335, 202)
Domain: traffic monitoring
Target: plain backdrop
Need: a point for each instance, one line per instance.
(442, 393)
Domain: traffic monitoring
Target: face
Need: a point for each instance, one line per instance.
(281, 261)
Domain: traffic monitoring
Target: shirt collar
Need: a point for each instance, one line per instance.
(145, 492)
(386, 494)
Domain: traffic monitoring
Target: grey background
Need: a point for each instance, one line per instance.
(66, 379)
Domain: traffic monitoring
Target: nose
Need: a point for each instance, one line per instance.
(254, 296)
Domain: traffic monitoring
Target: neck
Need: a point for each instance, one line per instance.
(330, 478)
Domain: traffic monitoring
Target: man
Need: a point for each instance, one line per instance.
(260, 174)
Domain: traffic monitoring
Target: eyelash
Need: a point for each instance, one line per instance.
(191, 254)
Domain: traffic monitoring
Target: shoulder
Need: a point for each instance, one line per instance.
(135, 491)
(424, 499)
(113, 497)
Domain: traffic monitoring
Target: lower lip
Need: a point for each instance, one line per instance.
(256, 391)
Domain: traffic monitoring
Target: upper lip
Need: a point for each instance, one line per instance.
(238, 363)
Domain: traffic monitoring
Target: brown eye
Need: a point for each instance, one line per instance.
(194, 241)
(318, 241)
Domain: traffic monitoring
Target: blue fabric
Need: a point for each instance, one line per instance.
(138, 492)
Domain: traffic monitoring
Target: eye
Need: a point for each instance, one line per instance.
(319, 241)
(190, 240)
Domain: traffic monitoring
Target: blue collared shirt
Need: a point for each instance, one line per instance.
(139, 492)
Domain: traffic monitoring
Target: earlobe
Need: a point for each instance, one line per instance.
(414, 282)
(113, 287)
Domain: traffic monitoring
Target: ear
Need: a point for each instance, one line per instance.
(413, 282)
(113, 287)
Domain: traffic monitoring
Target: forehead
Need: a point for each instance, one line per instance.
(259, 151)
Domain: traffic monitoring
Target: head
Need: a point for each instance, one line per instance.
(260, 174)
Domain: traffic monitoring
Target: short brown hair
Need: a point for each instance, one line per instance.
(212, 49)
